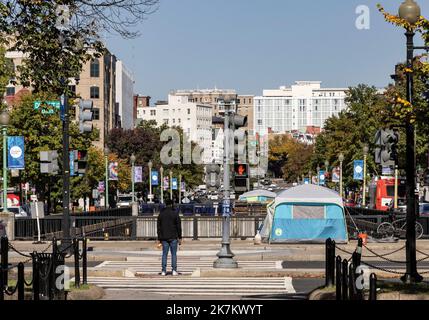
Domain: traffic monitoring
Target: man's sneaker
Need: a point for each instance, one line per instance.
(175, 273)
(163, 273)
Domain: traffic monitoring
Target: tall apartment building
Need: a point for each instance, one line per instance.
(245, 108)
(207, 97)
(125, 95)
(98, 82)
(194, 118)
(304, 104)
(139, 102)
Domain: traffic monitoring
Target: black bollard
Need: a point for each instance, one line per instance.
(36, 277)
(338, 278)
(84, 262)
(76, 263)
(359, 253)
(21, 282)
(344, 280)
(332, 262)
(1, 287)
(52, 272)
(373, 287)
(4, 259)
(328, 265)
(352, 282)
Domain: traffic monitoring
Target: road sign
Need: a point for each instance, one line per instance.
(226, 208)
(47, 107)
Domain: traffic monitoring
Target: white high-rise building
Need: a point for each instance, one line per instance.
(304, 104)
(194, 118)
(124, 95)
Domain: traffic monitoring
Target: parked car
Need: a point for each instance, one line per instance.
(349, 203)
(124, 200)
(18, 211)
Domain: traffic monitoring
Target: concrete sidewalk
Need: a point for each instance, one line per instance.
(243, 249)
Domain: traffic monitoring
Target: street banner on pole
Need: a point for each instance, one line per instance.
(183, 187)
(101, 186)
(166, 183)
(174, 184)
(322, 179)
(113, 171)
(358, 170)
(72, 163)
(336, 174)
(138, 174)
(155, 179)
(314, 180)
(15, 157)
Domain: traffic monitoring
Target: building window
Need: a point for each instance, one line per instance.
(260, 122)
(96, 113)
(95, 93)
(10, 91)
(153, 112)
(189, 111)
(95, 68)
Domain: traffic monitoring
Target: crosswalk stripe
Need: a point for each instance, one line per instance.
(198, 286)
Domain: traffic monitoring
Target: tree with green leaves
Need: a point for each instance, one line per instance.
(145, 143)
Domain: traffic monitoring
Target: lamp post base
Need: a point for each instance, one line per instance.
(225, 258)
(411, 278)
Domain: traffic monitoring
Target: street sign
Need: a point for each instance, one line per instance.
(386, 171)
(226, 208)
(47, 107)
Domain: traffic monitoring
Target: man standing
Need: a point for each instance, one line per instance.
(169, 228)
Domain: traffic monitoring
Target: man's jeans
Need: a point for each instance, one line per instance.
(172, 246)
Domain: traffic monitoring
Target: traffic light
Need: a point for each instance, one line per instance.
(81, 161)
(386, 152)
(389, 141)
(241, 168)
(241, 177)
(85, 116)
(49, 162)
(212, 176)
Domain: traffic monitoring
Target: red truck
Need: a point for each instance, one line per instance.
(382, 193)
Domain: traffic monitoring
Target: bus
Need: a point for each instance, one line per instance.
(382, 193)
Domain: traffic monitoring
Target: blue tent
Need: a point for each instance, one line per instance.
(306, 213)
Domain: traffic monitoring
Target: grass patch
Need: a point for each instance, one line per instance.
(82, 287)
(388, 287)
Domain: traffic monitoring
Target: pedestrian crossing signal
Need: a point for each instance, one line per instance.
(241, 170)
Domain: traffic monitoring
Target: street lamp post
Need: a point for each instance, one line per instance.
(150, 165)
(410, 11)
(4, 121)
(133, 161)
(318, 175)
(161, 170)
(106, 191)
(171, 185)
(225, 256)
(327, 170)
(365, 156)
(341, 159)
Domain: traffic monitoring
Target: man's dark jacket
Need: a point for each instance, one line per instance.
(169, 225)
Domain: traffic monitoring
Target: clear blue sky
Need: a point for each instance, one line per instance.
(251, 45)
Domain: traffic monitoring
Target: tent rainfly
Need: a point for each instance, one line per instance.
(258, 196)
(306, 213)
